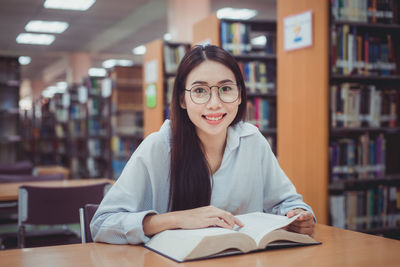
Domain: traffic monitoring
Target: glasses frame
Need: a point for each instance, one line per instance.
(210, 95)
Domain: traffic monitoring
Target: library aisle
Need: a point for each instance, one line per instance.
(82, 86)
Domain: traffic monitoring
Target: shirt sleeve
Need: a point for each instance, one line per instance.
(280, 195)
(119, 217)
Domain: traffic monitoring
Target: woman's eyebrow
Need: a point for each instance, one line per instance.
(206, 83)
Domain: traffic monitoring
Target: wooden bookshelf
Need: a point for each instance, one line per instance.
(157, 77)
(154, 117)
(250, 58)
(10, 136)
(303, 125)
(306, 117)
(126, 115)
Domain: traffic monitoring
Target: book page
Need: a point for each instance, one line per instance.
(258, 224)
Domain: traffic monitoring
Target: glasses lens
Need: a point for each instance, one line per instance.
(228, 93)
(200, 94)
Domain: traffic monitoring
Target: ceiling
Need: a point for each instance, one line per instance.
(109, 29)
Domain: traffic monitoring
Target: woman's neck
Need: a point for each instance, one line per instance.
(214, 147)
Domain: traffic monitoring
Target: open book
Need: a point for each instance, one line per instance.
(260, 230)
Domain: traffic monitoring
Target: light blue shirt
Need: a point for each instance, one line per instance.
(248, 180)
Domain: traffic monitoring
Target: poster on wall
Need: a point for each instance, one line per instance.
(297, 31)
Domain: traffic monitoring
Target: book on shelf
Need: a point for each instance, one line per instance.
(260, 231)
(360, 158)
(173, 54)
(358, 105)
(358, 51)
(261, 112)
(364, 209)
(372, 11)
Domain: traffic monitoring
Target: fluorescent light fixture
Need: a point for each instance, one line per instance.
(140, 50)
(46, 26)
(69, 4)
(34, 38)
(167, 36)
(49, 91)
(236, 13)
(23, 60)
(109, 63)
(62, 86)
(25, 103)
(259, 40)
(97, 72)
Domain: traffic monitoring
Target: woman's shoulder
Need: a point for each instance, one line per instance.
(159, 139)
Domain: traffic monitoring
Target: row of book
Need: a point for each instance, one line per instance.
(259, 76)
(235, 37)
(358, 105)
(360, 158)
(123, 147)
(9, 71)
(372, 11)
(173, 56)
(95, 147)
(118, 165)
(261, 112)
(361, 52)
(377, 207)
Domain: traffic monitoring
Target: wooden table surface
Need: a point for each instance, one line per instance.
(340, 248)
(9, 191)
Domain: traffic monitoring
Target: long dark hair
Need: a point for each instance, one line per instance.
(190, 185)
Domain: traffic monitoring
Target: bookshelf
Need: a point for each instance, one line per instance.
(160, 64)
(364, 111)
(257, 62)
(339, 113)
(10, 137)
(123, 92)
(77, 130)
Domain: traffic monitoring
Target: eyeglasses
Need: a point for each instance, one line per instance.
(201, 94)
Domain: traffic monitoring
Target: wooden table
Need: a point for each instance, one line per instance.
(340, 248)
(9, 191)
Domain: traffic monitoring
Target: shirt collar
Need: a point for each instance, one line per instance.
(241, 129)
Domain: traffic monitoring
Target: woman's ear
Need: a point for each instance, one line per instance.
(182, 102)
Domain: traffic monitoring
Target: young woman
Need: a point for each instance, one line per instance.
(203, 166)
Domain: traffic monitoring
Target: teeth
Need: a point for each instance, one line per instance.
(214, 118)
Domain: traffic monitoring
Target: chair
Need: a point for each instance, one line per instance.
(21, 167)
(9, 209)
(54, 205)
(86, 214)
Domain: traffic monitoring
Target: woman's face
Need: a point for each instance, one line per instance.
(213, 117)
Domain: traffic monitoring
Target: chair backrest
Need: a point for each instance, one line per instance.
(86, 214)
(10, 178)
(21, 167)
(56, 205)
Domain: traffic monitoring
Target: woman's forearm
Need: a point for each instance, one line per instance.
(155, 223)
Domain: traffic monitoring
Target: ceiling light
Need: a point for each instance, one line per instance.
(259, 40)
(109, 63)
(140, 50)
(46, 26)
(97, 72)
(62, 86)
(235, 13)
(167, 36)
(69, 4)
(23, 60)
(34, 38)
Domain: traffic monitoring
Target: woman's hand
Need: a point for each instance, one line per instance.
(189, 219)
(205, 217)
(304, 224)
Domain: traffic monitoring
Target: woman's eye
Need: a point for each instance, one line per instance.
(225, 88)
(199, 90)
